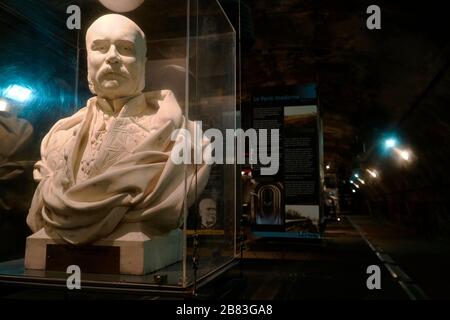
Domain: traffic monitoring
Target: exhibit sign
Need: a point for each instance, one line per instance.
(290, 200)
(301, 166)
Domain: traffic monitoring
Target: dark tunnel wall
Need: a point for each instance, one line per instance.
(370, 83)
(416, 194)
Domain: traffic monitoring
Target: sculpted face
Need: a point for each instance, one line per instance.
(208, 212)
(116, 50)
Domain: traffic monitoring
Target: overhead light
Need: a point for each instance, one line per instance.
(121, 5)
(356, 175)
(362, 181)
(3, 105)
(390, 143)
(353, 190)
(355, 184)
(328, 167)
(372, 172)
(405, 155)
(18, 93)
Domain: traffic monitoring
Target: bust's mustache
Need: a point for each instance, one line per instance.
(113, 72)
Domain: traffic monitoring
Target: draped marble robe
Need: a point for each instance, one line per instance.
(99, 170)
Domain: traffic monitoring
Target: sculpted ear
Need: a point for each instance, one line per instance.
(91, 84)
(142, 75)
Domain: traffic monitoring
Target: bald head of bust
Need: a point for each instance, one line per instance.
(116, 53)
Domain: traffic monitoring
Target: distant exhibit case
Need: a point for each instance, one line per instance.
(191, 50)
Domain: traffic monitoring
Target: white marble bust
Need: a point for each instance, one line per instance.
(109, 164)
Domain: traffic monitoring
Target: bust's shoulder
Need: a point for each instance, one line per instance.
(64, 129)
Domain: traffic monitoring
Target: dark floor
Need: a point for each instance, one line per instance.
(334, 268)
(331, 268)
(425, 261)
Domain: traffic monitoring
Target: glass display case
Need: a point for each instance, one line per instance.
(191, 53)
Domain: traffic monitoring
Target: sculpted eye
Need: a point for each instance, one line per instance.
(100, 46)
(125, 48)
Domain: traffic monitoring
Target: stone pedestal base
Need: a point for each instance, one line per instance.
(126, 251)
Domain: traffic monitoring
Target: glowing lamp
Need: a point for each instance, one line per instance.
(18, 93)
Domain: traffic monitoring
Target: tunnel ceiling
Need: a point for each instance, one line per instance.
(368, 80)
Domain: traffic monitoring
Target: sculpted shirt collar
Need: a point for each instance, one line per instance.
(127, 106)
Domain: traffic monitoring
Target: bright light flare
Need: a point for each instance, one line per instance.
(390, 143)
(355, 184)
(18, 93)
(3, 106)
(373, 173)
(404, 155)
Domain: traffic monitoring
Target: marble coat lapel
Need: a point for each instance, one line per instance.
(74, 159)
